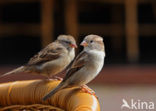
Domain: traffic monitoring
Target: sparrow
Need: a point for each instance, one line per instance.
(86, 65)
(51, 60)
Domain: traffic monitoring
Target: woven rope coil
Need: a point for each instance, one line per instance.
(34, 107)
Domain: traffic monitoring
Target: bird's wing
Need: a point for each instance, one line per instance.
(51, 52)
(78, 63)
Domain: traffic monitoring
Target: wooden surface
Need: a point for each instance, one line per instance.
(109, 75)
(47, 23)
(71, 18)
(131, 29)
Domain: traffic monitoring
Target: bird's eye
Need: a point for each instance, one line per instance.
(67, 42)
(91, 41)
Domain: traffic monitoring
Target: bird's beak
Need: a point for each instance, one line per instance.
(84, 44)
(73, 45)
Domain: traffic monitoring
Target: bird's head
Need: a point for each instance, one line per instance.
(67, 40)
(93, 42)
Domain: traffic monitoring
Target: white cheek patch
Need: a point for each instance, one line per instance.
(98, 53)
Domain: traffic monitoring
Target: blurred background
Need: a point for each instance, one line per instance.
(127, 26)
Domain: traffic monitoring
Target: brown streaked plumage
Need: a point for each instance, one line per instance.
(86, 66)
(52, 59)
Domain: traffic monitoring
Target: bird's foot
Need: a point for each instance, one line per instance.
(48, 79)
(57, 78)
(86, 89)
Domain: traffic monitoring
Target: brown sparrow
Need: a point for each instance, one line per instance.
(52, 59)
(86, 66)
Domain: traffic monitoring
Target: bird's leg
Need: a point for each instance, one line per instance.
(47, 79)
(58, 78)
(86, 89)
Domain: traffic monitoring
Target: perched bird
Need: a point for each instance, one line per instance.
(52, 59)
(86, 66)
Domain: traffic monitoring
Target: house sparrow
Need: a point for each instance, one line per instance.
(86, 66)
(52, 59)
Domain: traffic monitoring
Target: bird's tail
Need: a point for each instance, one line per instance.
(17, 70)
(60, 86)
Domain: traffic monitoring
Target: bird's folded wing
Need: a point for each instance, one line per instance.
(29, 94)
(78, 63)
(51, 52)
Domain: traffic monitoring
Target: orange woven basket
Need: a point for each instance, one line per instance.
(27, 96)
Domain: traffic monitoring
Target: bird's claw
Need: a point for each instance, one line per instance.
(57, 78)
(86, 89)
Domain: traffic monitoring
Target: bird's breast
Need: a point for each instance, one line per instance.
(55, 66)
(71, 54)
